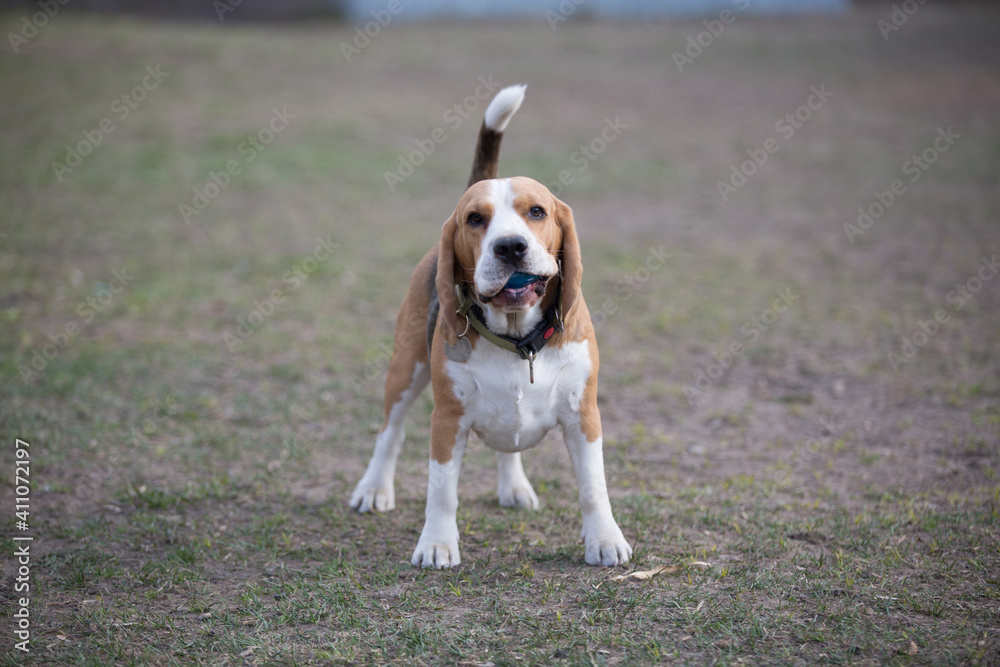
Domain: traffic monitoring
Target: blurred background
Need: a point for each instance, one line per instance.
(209, 213)
(268, 10)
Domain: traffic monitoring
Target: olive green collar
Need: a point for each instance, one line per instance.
(525, 347)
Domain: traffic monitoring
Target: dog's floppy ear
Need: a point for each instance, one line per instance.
(572, 264)
(445, 282)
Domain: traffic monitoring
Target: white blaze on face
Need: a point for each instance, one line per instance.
(491, 273)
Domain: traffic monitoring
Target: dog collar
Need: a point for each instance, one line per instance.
(526, 347)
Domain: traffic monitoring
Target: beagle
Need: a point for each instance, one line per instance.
(494, 318)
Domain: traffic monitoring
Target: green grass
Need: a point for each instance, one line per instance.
(188, 502)
(784, 582)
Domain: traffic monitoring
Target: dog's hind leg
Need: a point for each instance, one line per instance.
(409, 373)
(513, 487)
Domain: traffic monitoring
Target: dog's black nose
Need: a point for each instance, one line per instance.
(510, 249)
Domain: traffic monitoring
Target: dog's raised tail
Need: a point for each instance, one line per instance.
(498, 114)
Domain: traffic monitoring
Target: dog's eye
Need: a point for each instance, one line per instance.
(474, 219)
(537, 212)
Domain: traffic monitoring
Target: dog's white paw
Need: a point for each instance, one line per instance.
(606, 545)
(438, 544)
(438, 555)
(520, 496)
(368, 496)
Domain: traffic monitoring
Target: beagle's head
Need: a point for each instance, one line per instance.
(504, 243)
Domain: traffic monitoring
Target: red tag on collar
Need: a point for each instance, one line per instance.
(548, 333)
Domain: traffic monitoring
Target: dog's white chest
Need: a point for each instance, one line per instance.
(504, 408)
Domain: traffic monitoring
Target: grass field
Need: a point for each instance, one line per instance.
(201, 263)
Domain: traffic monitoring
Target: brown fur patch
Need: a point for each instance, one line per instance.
(590, 415)
(410, 345)
(448, 409)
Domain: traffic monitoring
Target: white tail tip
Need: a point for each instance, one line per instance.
(503, 107)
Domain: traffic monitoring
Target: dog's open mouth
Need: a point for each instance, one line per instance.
(521, 281)
(522, 290)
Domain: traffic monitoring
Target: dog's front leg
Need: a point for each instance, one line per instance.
(438, 544)
(603, 539)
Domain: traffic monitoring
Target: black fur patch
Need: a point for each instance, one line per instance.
(433, 310)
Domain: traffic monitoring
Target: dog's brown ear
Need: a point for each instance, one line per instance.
(445, 282)
(572, 264)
